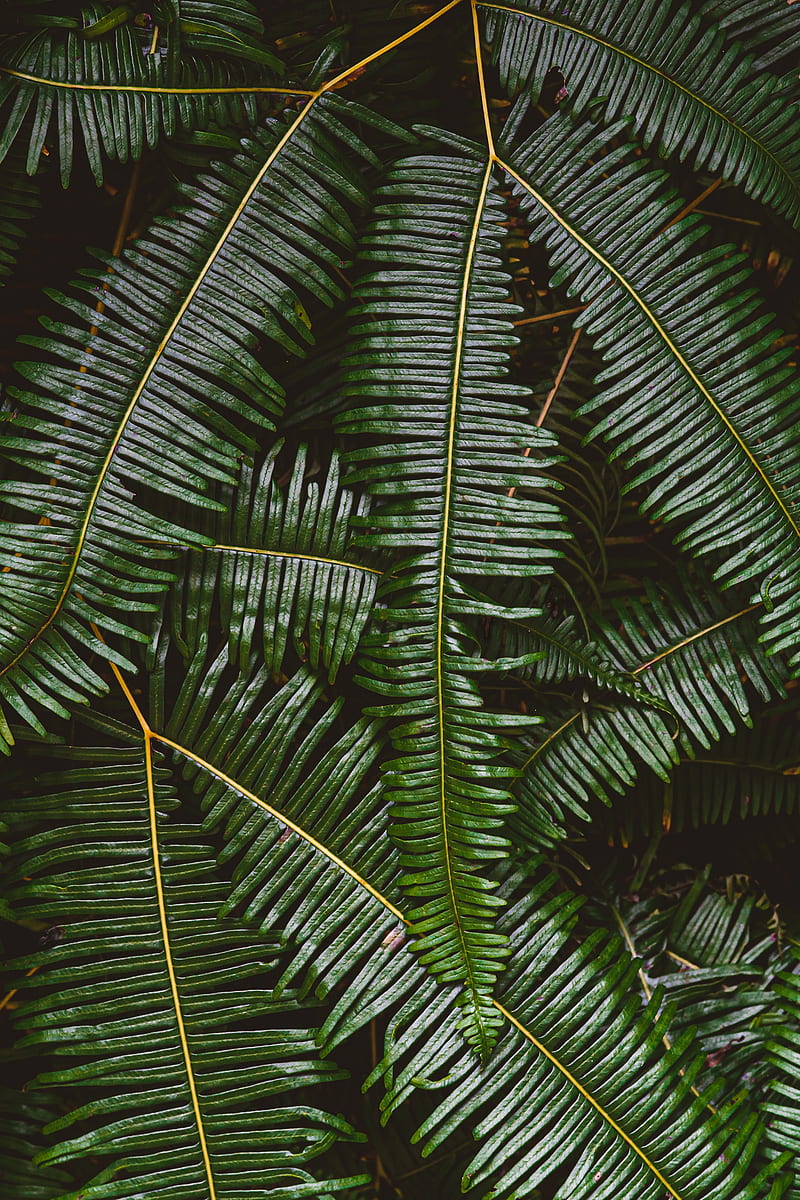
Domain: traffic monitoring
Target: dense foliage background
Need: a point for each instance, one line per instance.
(592, 549)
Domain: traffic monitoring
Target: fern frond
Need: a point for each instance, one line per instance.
(782, 1108)
(160, 401)
(772, 31)
(558, 655)
(304, 831)
(22, 1118)
(440, 439)
(167, 1009)
(715, 960)
(688, 91)
(689, 651)
(283, 570)
(579, 1069)
(754, 774)
(122, 89)
(697, 386)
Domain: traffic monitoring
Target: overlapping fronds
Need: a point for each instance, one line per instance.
(701, 406)
(159, 395)
(692, 653)
(303, 826)
(689, 91)
(755, 773)
(115, 88)
(282, 569)
(770, 31)
(21, 1121)
(304, 830)
(714, 958)
(354, 681)
(441, 436)
(558, 654)
(558, 1099)
(782, 1107)
(166, 1010)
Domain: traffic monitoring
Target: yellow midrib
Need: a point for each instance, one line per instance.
(644, 667)
(334, 84)
(158, 91)
(535, 16)
(165, 937)
(150, 736)
(148, 371)
(293, 554)
(440, 602)
(661, 331)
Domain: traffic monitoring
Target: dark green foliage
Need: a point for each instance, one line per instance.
(399, 577)
(691, 653)
(19, 199)
(441, 441)
(687, 88)
(149, 75)
(185, 1062)
(151, 403)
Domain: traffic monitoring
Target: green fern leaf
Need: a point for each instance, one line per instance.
(160, 399)
(754, 774)
(715, 961)
(693, 653)
(120, 90)
(782, 1107)
(772, 30)
(556, 1093)
(157, 998)
(19, 200)
(22, 1118)
(282, 569)
(440, 442)
(304, 829)
(739, 413)
(687, 91)
(559, 655)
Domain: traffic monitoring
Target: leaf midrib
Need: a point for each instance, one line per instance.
(458, 358)
(221, 548)
(147, 374)
(334, 84)
(701, 633)
(534, 16)
(72, 86)
(148, 737)
(661, 331)
(151, 735)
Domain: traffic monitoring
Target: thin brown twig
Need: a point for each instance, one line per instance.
(551, 395)
(692, 205)
(563, 312)
(119, 239)
(562, 370)
(706, 212)
(9, 996)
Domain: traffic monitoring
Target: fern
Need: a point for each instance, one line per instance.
(693, 654)
(447, 510)
(171, 418)
(665, 84)
(741, 413)
(124, 85)
(176, 980)
(399, 590)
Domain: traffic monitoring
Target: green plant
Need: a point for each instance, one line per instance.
(352, 602)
